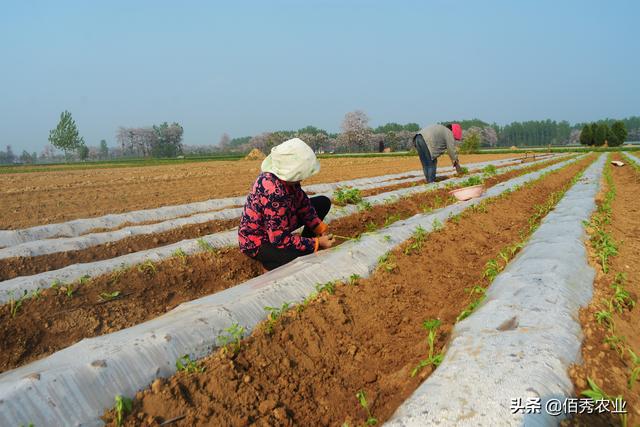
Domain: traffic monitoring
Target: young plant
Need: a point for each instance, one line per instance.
(386, 262)
(635, 368)
(370, 227)
(621, 297)
(206, 246)
(15, 304)
(231, 340)
(353, 279)
(391, 219)
(491, 269)
(479, 290)
(471, 181)
(108, 296)
(431, 326)
(365, 206)
(147, 267)
(122, 407)
(436, 225)
(179, 253)
(362, 399)
(186, 364)
(595, 393)
(274, 314)
(418, 240)
(344, 196)
(489, 170)
(329, 287)
(69, 290)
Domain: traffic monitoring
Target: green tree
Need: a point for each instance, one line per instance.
(65, 136)
(619, 132)
(470, 143)
(600, 135)
(83, 152)
(25, 157)
(104, 149)
(586, 137)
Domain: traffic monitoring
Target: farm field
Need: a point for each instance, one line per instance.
(37, 198)
(151, 289)
(612, 344)
(343, 337)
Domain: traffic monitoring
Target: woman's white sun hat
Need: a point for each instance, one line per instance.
(291, 161)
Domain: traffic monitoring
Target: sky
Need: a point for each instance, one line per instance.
(245, 67)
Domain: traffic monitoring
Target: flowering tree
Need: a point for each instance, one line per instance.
(356, 133)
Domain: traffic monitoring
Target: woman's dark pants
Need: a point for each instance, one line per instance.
(272, 257)
(429, 165)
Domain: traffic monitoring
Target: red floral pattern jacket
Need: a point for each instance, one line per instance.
(274, 209)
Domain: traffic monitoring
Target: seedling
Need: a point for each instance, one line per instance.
(186, 364)
(386, 238)
(417, 242)
(473, 304)
(621, 297)
(147, 267)
(179, 253)
(431, 326)
(595, 393)
(362, 399)
(329, 287)
(471, 181)
(464, 171)
(365, 206)
(122, 407)
(616, 342)
(489, 170)
(206, 246)
(386, 262)
(370, 227)
(108, 296)
(353, 279)
(84, 280)
(436, 225)
(36, 293)
(635, 369)
(14, 305)
(274, 314)
(491, 269)
(391, 219)
(69, 290)
(231, 340)
(604, 316)
(344, 196)
(455, 218)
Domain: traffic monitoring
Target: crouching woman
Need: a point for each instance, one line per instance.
(277, 206)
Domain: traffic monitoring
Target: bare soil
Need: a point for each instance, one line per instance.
(364, 337)
(55, 321)
(46, 197)
(604, 362)
(25, 266)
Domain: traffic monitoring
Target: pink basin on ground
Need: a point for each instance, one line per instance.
(468, 193)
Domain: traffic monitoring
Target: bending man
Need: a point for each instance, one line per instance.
(432, 141)
(277, 206)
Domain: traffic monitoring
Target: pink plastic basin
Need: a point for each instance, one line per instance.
(468, 193)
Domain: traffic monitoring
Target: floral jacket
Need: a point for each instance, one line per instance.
(274, 209)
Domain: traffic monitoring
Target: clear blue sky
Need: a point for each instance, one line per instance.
(244, 67)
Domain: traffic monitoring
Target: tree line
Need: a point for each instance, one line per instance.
(356, 135)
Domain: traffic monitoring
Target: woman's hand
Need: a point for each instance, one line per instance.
(325, 241)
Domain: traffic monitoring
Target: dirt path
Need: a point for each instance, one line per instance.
(607, 360)
(38, 198)
(25, 266)
(363, 337)
(55, 320)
